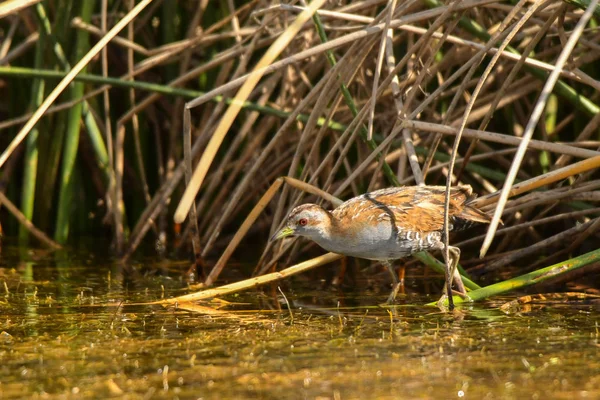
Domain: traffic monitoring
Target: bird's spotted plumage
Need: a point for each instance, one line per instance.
(386, 224)
(413, 208)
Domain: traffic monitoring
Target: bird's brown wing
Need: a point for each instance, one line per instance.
(414, 208)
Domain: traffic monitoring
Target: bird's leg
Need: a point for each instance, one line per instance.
(395, 281)
(454, 253)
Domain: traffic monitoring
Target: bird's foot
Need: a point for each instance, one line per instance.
(444, 305)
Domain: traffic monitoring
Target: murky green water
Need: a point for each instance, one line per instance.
(70, 330)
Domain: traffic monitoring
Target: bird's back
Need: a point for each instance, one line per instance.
(396, 222)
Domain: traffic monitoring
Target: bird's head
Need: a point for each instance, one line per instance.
(309, 220)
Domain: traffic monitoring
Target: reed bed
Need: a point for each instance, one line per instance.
(119, 116)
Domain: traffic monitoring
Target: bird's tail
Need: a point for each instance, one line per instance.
(468, 217)
(471, 213)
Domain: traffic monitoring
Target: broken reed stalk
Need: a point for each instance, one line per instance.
(254, 282)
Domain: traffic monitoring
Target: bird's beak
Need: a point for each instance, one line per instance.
(284, 232)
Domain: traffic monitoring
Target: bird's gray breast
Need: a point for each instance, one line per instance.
(380, 242)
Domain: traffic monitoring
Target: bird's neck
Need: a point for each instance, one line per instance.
(332, 235)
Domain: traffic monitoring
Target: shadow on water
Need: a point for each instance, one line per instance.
(70, 327)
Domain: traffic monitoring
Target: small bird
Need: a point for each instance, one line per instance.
(388, 224)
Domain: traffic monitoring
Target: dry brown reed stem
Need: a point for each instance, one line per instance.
(250, 174)
(533, 120)
(176, 124)
(254, 214)
(362, 114)
(534, 198)
(332, 44)
(522, 236)
(192, 228)
(259, 132)
(14, 6)
(569, 74)
(14, 210)
(8, 37)
(588, 196)
(504, 139)
(500, 95)
(19, 50)
(551, 200)
(78, 23)
(254, 282)
(110, 192)
(341, 73)
(165, 54)
(589, 129)
(561, 237)
(537, 222)
(117, 195)
(69, 78)
(389, 11)
(207, 157)
(543, 180)
(591, 230)
(401, 109)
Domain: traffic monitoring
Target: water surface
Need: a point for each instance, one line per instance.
(75, 326)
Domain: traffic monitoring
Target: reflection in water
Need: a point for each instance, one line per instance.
(69, 327)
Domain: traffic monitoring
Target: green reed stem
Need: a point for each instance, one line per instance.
(19, 72)
(72, 137)
(51, 146)
(94, 133)
(31, 149)
(440, 267)
(550, 118)
(531, 278)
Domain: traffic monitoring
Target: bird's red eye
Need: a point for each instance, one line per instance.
(303, 221)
